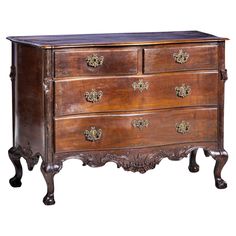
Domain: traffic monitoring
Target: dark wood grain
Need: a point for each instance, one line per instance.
(135, 159)
(28, 96)
(115, 39)
(116, 61)
(160, 59)
(119, 95)
(118, 132)
(50, 76)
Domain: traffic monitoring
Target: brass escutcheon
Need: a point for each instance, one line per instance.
(93, 96)
(181, 57)
(94, 60)
(183, 127)
(140, 85)
(140, 123)
(93, 134)
(183, 91)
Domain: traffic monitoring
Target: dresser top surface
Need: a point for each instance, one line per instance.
(115, 39)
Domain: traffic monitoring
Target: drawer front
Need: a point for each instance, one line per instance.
(135, 129)
(180, 57)
(135, 93)
(71, 63)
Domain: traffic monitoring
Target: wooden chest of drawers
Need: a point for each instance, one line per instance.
(132, 99)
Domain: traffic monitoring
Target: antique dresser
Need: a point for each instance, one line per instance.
(130, 98)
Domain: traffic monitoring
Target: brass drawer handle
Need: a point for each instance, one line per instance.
(93, 96)
(183, 91)
(140, 85)
(183, 127)
(140, 123)
(93, 134)
(181, 57)
(94, 60)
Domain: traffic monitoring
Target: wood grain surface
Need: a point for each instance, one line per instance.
(118, 93)
(160, 58)
(118, 131)
(71, 63)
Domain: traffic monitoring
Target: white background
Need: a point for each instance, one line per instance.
(168, 200)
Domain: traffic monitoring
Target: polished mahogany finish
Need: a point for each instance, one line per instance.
(199, 56)
(117, 39)
(116, 91)
(73, 62)
(129, 98)
(118, 131)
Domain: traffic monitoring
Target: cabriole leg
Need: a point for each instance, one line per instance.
(49, 170)
(193, 166)
(221, 158)
(15, 155)
(206, 153)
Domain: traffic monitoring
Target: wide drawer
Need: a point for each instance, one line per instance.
(119, 130)
(135, 93)
(180, 57)
(69, 63)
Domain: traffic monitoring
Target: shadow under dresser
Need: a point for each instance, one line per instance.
(129, 98)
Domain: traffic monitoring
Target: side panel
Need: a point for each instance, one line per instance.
(28, 105)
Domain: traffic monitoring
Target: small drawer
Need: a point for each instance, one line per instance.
(70, 63)
(167, 90)
(119, 130)
(180, 57)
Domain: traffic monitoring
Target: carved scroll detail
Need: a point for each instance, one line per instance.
(13, 73)
(27, 153)
(132, 160)
(224, 75)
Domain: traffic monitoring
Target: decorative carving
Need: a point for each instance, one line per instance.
(93, 134)
(51, 167)
(93, 96)
(183, 127)
(94, 60)
(224, 75)
(140, 160)
(140, 123)
(13, 73)
(31, 159)
(140, 85)
(15, 153)
(183, 91)
(181, 57)
(49, 170)
(46, 85)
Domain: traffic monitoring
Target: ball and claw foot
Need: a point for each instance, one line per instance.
(15, 182)
(49, 199)
(220, 183)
